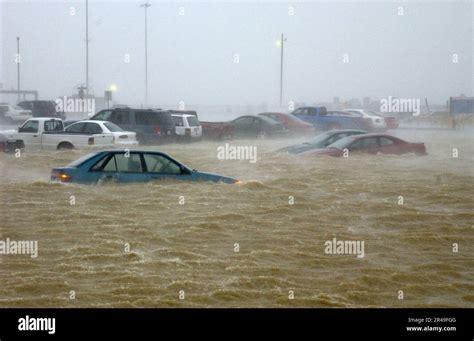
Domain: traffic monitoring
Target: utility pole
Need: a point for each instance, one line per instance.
(87, 46)
(282, 44)
(18, 61)
(146, 5)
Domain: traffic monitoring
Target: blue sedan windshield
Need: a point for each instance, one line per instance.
(81, 160)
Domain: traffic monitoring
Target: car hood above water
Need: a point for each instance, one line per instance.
(325, 151)
(204, 176)
(8, 133)
(299, 148)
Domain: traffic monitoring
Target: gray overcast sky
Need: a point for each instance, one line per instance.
(191, 56)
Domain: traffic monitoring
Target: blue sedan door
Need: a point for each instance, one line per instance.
(130, 167)
(124, 167)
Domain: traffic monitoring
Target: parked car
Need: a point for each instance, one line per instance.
(88, 127)
(257, 126)
(292, 123)
(390, 121)
(218, 130)
(9, 145)
(12, 114)
(151, 126)
(188, 127)
(376, 121)
(330, 120)
(131, 166)
(42, 108)
(49, 133)
(321, 141)
(370, 144)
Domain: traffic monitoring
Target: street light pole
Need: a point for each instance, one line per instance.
(282, 43)
(18, 61)
(87, 46)
(146, 5)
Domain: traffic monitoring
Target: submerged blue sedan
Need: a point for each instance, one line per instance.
(130, 166)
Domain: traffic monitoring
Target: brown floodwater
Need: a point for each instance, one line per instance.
(190, 248)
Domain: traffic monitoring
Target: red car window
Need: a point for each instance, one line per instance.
(364, 143)
(385, 141)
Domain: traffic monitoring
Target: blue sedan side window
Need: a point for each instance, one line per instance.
(132, 163)
(111, 166)
(156, 163)
(122, 163)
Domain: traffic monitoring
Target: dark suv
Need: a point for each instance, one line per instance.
(151, 126)
(42, 108)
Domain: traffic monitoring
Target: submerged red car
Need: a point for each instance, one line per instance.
(292, 123)
(370, 144)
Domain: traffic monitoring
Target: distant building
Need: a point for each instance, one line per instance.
(353, 103)
(461, 105)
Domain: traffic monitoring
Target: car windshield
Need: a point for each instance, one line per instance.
(193, 121)
(368, 113)
(81, 160)
(342, 143)
(375, 114)
(112, 127)
(355, 113)
(320, 138)
(295, 119)
(272, 117)
(269, 120)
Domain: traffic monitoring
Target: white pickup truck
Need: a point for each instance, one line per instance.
(48, 133)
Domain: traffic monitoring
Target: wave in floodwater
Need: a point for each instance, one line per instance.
(249, 245)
